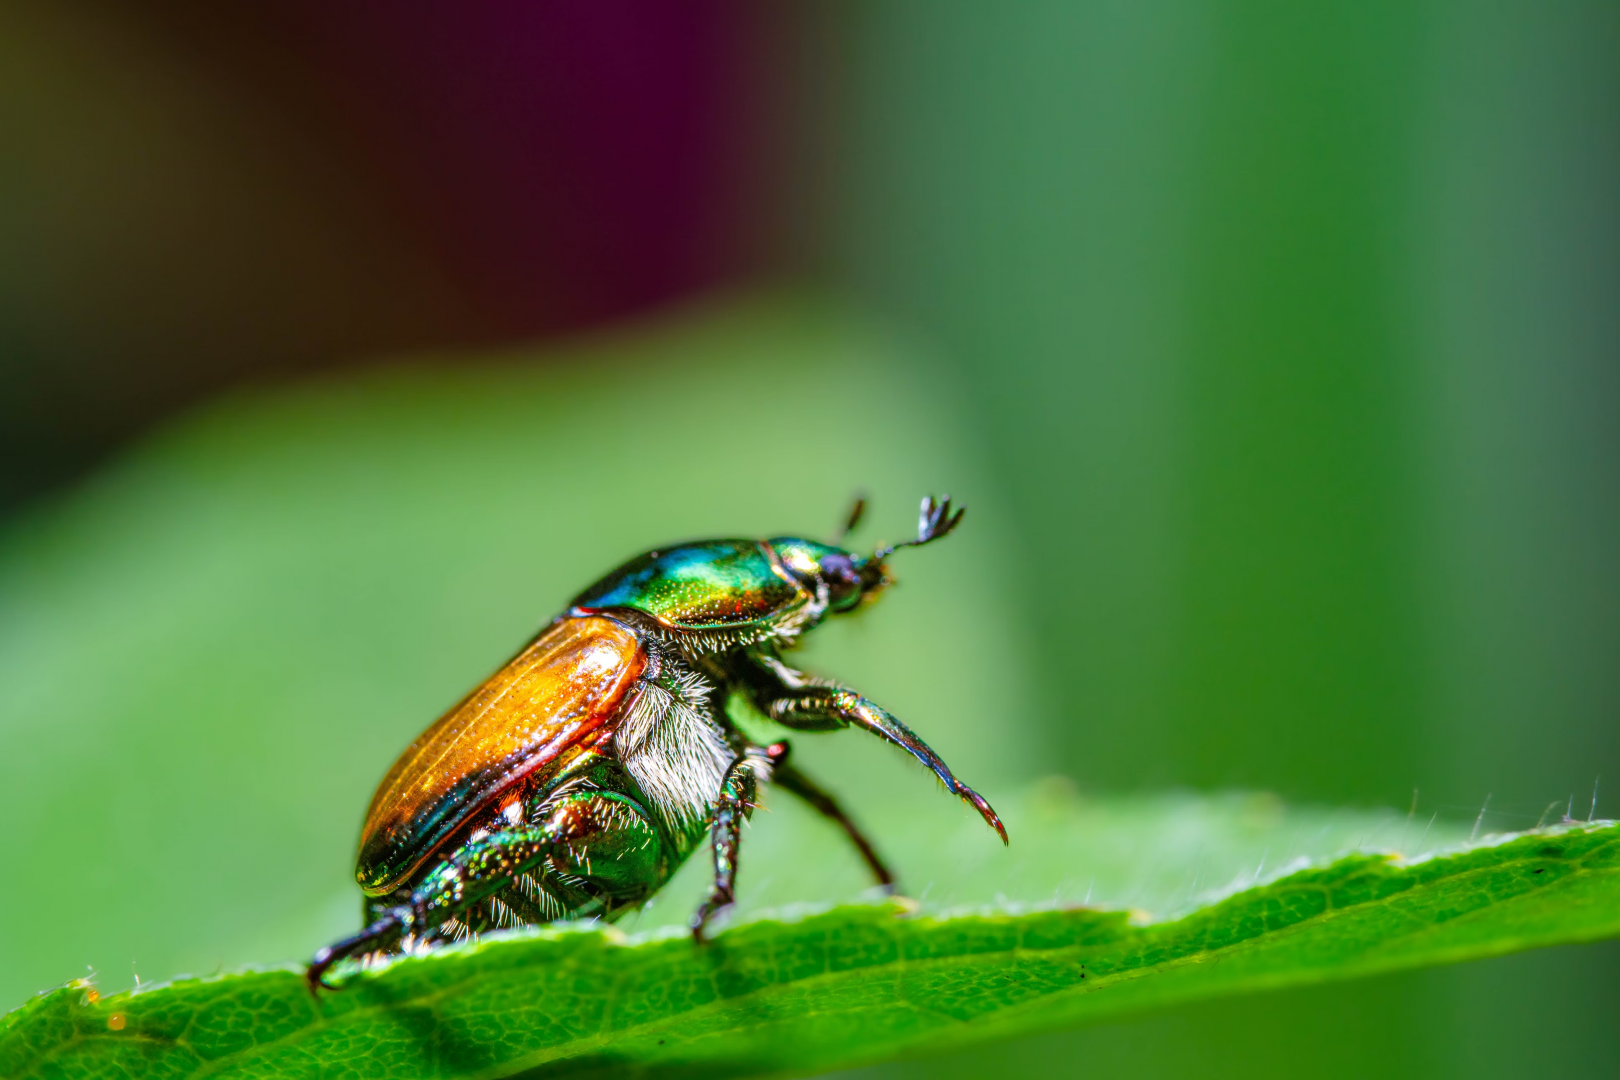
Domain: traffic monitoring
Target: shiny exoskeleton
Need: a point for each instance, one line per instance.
(578, 778)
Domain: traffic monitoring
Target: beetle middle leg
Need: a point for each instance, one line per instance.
(735, 802)
(796, 700)
(592, 847)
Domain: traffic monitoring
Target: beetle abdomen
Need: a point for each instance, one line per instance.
(558, 696)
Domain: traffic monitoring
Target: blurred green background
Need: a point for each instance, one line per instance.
(1274, 347)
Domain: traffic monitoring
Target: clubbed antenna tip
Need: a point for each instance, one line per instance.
(935, 520)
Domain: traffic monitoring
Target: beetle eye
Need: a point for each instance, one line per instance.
(843, 580)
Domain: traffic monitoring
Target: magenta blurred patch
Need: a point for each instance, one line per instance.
(567, 162)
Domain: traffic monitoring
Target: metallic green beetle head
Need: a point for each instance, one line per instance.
(845, 577)
(850, 579)
(753, 589)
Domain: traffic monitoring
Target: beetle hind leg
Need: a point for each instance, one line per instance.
(594, 849)
(379, 936)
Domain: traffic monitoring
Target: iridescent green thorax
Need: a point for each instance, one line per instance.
(716, 584)
(803, 557)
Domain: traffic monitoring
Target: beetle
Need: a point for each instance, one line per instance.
(576, 779)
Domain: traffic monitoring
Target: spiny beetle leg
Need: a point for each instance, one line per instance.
(381, 934)
(792, 779)
(731, 809)
(595, 834)
(794, 699)
(851, 708)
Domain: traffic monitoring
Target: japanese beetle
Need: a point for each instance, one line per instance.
(576, 779)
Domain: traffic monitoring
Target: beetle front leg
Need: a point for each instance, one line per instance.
(795, 700)
(735, 802)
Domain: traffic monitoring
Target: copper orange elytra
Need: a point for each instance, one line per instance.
(576, 779)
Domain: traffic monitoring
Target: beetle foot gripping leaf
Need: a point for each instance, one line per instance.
(379, 936)
(581, 774)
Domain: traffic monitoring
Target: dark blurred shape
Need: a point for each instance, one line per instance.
(568, 163)
(200, 195)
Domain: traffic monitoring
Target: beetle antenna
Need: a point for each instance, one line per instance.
(934, 521)
(852, 520)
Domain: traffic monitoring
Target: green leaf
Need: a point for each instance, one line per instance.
(211, 652)
(851, 984)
